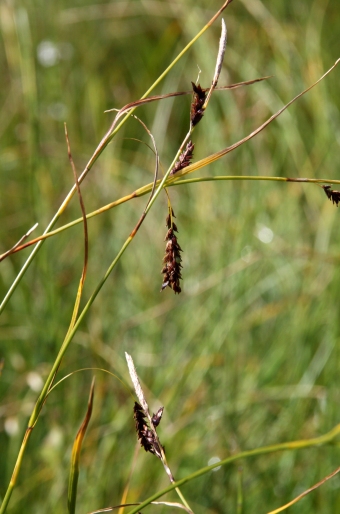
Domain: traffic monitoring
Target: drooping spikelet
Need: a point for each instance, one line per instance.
(145, 435)
(197, 111)
(172, 258)
(184, 159)
(332, 194)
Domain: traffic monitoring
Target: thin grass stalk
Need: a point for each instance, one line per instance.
(156, 98)
(123, 505)
(86, 237)
(178, 182)
(293, 445)
(102, 145)
(16, 470)
(19, 243)
(302, 495)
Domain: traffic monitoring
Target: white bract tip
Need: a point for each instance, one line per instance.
(136, 383)
(221, 52)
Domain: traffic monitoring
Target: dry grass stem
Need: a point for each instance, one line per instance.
(18, 245)
(302, 495)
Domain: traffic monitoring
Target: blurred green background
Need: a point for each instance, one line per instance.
(248, 354)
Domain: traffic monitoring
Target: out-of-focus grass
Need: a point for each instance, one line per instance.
(248, 354)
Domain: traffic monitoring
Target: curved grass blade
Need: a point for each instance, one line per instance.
(74, 471)
(122, 505)
(86, 237)
(155, 98)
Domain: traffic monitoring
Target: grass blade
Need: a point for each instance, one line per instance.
(74, 471)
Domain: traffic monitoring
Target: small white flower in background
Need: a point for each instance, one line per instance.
(265, 234)
(48, 54)
(11, 426)
(35, 381)
(214, 460)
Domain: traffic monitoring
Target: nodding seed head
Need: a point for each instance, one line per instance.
(172, 258)
(183, 161)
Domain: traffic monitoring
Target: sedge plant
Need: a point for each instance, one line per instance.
(180, 166)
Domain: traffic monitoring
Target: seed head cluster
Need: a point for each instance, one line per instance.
(184, 159)
(145, 435)
(197, 111)
(172, 258)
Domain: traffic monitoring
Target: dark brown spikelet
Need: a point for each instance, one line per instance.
(156, 418)
(184, 159)
(172, 258)
(333, 195)
(197, 111)
(145, 436)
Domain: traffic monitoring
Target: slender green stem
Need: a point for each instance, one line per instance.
(185, 503)
(252, 177)
(164, 179)
(293, 445)
(15, 471)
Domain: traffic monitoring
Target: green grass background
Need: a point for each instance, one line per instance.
(248, 354)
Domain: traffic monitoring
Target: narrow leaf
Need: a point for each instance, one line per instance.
(74, 471)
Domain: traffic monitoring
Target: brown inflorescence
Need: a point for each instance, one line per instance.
(332, 194)
(184, 159)
(197, 111)
(145, 435)
(172, 259)
(156, 418)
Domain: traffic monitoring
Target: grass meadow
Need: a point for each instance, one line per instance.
(248, 354)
